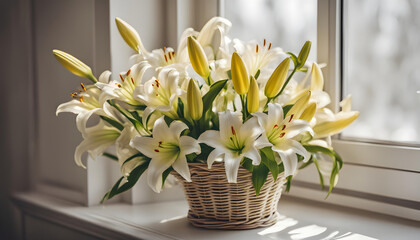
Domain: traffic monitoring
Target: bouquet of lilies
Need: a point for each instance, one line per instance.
(213, 99)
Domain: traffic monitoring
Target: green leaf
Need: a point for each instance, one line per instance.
(321, 177)
(259, 176)
(294, 58)
(337, 162)
(289, 183)
(131, 181)
(111, 156)
(113, 189)
(136, 116)
(135, 123)
(267, 157)
(113, 123)
(180, 110)
(229, 73)
(247, 164)
(286, 109)
(211, 95)
(165, 175)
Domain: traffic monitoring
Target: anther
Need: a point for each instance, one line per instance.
(291, 117)
(275, 126)
(265, 41)
(122, 79)
(233, 130)
(282, 134)
(166, 59)
(81, 99)
(83, 87)
(129, 71)
(132, 80)
(269, 46)
(169, 54)
(284, 126)
(156, 150)
(256, 49)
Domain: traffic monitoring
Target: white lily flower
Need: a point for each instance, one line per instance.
(161, 93)
(278, 135)
(234, 140)
(166, 148)
(125, 151)
(84, 104)
(96, 140)
(257, 57)
(123, 88)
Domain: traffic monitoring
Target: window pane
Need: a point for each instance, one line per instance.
(286, 24)
(381, 68)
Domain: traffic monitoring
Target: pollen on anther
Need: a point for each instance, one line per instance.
(156, 150)
(119, 85)
(233, 130)
(169, 54)
(129, 71)
(83, 87)
(122, 79)
(173, 54)
(275, 126)
(164, 49)
(166, 59)
(282, 134)
(81, 99)
(269, 46)
(132, 80)
(265, 42)
(73, 94)
(256, 49)
(284, 126)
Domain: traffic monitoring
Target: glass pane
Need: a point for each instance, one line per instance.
(381, 66)
(286, 24)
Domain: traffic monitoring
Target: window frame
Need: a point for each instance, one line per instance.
(362, 159)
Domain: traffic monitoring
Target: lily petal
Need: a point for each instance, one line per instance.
(181, 166)
(232, 166)
(154, 172)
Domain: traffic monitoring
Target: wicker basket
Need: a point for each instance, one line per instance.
(216, 204)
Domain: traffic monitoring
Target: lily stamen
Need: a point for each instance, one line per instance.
(83, 87)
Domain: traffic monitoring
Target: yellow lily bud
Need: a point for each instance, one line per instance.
(317, 79)
(277, 79)
(198, 58)
(253, 97)
(299, 106)
(194, 101)
(309, 112)
(240, 77)
(303, 54)
(130, 35)
(329, 128)
(74, 65)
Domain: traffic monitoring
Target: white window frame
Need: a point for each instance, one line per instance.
(377, 177)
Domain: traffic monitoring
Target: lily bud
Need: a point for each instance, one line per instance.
(240, 77)
(194, 101)
(303, 54)
(198, 58)
(253, 97)
(309, 112)
(317, 79)
(299, 106)
(74, 65)
(130, 35)
(277, 79)
(328, 128)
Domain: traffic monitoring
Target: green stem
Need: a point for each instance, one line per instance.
(111, 156)
(244, 111)
(266, 104)
(287, 81)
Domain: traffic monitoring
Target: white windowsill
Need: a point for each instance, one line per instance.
(302, 219)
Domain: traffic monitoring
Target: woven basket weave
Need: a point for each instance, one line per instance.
(216, 204)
